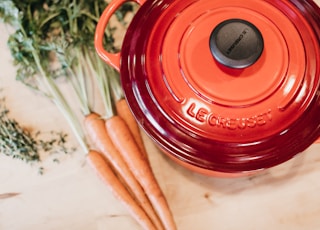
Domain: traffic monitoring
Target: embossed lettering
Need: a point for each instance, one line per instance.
(191, 109)
(232, 124)
(242, 123)
(252, 122)
(269, 115)
(223, 122)
(202, 114)
(212, 120)
(260, 120)
(237, 41)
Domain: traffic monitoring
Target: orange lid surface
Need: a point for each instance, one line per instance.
(225, 85)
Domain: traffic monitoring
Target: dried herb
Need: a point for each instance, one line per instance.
(19, 143)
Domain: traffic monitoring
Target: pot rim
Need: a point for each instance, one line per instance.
(237, 157)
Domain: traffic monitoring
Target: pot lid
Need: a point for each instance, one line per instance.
(225, 85)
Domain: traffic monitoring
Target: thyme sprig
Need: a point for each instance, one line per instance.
(16, 141)
(20, 143)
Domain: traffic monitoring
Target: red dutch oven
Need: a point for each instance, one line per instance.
(224, 87)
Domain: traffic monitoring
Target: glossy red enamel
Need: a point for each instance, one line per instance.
(215, 118)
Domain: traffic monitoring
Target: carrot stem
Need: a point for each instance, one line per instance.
(57, 97)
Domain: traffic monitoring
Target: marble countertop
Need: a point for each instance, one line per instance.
(68, 196)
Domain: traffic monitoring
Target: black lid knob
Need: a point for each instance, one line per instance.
(236, 43)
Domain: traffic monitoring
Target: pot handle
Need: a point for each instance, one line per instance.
(112, 59)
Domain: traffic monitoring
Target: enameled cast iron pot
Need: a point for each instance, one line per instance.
(224, 87)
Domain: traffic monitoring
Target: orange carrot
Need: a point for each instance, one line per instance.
(96, 129)
(125, 113)
(124, 142)
(102, 169)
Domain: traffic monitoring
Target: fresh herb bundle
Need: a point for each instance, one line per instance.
(54, 39)
(62, 31)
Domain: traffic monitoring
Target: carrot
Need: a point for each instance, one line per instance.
(124, 142)
(96, 129)
(125, 113)
(103, 170)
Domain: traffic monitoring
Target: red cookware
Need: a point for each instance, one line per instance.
(224, 87)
